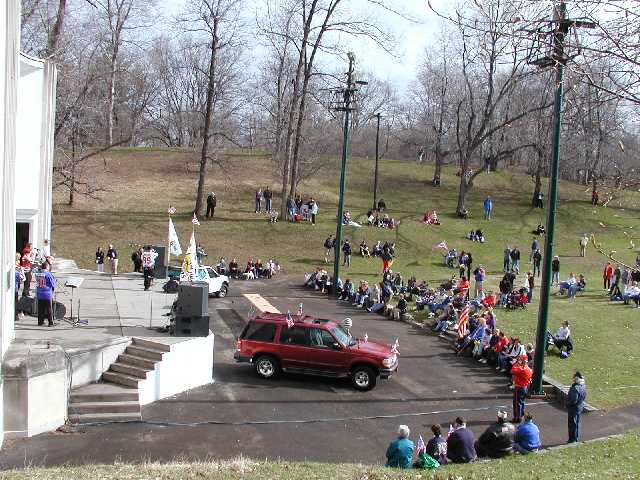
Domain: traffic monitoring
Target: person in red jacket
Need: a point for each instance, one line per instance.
(521, 375)
(607, 275)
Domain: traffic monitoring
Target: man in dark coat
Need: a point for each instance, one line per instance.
(460, 448)
(497, 439)
(575, 404)
(211, 204)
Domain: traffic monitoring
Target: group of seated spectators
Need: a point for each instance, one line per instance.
(512, 297)
(622, 284)
(378, 249)
(318, 280)
(254, 269)
(476, 236)
(376, 219)
(376, 298)
(431, 218)
(500, 439)
(572, 285)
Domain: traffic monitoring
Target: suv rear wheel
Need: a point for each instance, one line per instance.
(266, 366)
(363, 378)
(223, 291)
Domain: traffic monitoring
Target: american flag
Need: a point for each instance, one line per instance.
(171, 210)
(394, 347)
(451, 430)
(290, 322)
(420, 446)
(463, 322)
(195, 220)
(441, 246)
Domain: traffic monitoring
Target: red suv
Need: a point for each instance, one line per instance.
(313, 346)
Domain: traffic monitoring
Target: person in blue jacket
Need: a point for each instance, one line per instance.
(575, 404)
(400, 451)
(527, 439)
(488, 207)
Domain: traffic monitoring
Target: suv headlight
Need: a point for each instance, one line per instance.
(389, 362)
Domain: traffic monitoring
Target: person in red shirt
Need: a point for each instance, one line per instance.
(607, 275)
(489, 300)
(521, 375)
(463, 286)
(26, 262)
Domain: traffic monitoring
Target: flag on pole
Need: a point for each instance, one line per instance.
(420, 446)
(394, 347)
(300, 310)
(451, 430)
(195, 220)
(463, 322)
(174, 242)
(441, 246)
(290, 322)
(191, 260)
(171, 210)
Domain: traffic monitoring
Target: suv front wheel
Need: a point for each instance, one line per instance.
(266, 366)
(363, 378)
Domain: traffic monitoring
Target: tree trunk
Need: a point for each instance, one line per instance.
(56, 31)
(538, 180)
(437, 173)
(462, 192)
(111, 93)
(207, 121)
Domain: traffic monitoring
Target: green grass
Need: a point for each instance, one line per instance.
(606, 339)
(615, 458)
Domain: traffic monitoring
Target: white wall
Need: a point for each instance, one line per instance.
(9, 49)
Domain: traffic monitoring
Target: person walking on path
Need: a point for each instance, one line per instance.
(521, 375)
(607, 275)
(100, 260)
(258, 198)
(584, 241)
(488, 207)
(329, 245)
(515, 260)
(535, 246)
(346, 250)
(211, 204)
(575, 404)
(555, 270)
(400, 451)
(112, 256)
(537, 259)
(45, 285)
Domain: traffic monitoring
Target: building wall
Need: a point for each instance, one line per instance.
(9, 54)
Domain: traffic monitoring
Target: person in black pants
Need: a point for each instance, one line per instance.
(211, 205)
(45, 283)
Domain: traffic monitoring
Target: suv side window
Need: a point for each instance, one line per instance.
(260, 332)
(294, 336)
(321, 338)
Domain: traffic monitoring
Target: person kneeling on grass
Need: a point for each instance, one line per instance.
(400, 451)
(497, 439)
(527, 438)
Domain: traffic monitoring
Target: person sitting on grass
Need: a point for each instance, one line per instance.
(527, 437)
(259, 269)
(540, 230)
(234, 272)
(460, 444)
(400, 311)
(448, 318)
(437, 445)
(377, 249)
(497, 439)
(562, 340)
(347, 290)
(579, 286)
(475, 337)
(364, 249)
(462, 287)
(400, 451)
(376, 299)
(631, 292)
(430, 218)
(450, 258)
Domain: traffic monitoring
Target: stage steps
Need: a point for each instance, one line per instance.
(117, 398)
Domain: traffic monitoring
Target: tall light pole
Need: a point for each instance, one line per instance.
(559, 59)
(345, 105)
(375, 172)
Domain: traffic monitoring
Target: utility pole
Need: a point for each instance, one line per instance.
(344, 105)
(375, 172)
(559, 59)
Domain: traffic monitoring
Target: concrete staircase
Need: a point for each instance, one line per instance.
(117, 398)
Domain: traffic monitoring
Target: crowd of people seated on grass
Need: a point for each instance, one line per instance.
(621, 284)
(430, 218)
(381, 220)
(459, 445)
(252, 270)
(476, 236)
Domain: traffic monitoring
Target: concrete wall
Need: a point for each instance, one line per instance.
(9, 48)
(88, 364)
(189, 364)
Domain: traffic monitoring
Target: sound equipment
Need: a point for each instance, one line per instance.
(171, 286)
(193, 299)
(196, 326)
(29, 306)
(160, 268)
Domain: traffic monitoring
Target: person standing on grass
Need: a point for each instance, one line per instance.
(313, 210)
(211, 205)
(535, 246)
(329, 244)
(100, 260)
(488, 207)
(45, 285)
(346, 250)
(515, 260)
(268, 196)
(555, 270)
(521, 375)
(584, 241)
(607, 274)
(530, 286)
(479, 274)
(258, 198)
(506, 259)
(575, 405)
(468, 264)
(112, 256)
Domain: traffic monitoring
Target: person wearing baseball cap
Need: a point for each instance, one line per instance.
(575, 404)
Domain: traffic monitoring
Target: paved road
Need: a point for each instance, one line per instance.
(298, 417)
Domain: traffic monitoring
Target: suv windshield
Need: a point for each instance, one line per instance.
(341, 336)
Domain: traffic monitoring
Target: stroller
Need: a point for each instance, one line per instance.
(517, 299)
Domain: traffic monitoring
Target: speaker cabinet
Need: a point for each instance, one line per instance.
(193, 299)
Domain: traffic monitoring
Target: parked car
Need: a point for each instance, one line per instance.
(315, 347)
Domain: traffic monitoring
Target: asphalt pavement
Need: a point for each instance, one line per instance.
(306, 418)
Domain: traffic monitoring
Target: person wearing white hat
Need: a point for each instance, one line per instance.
(497, 439)
(575, 404)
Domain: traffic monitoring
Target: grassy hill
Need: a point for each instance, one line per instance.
(142, 184)
(615, 458)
